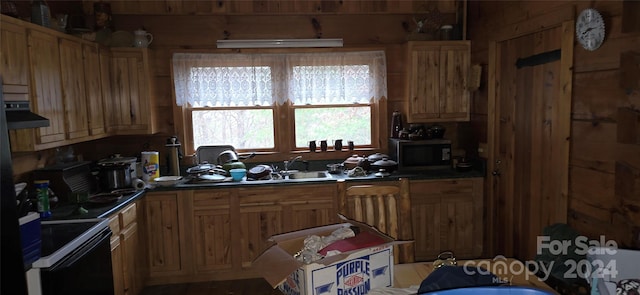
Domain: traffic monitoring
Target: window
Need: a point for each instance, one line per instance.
(250, 100)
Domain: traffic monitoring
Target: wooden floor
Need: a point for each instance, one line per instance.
(236, 287)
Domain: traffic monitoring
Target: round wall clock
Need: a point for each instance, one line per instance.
(590, 29)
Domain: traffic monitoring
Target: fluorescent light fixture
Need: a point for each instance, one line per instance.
(279, 43)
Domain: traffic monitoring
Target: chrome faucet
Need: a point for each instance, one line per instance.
(287, 164)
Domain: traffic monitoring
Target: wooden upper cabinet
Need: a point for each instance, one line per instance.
(130, 109)
(73, 89)
(94, 92)
(437, 81)
(45, 95)
(13, 52)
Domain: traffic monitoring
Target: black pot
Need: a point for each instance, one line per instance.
(385, 165)
(437, 131)
(115, 176)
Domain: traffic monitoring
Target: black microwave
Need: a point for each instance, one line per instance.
(416, 155)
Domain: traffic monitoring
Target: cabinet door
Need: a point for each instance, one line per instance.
(425, 212)
(117, 266)
(424, 83)
(267, 211)
(454, 70)
(93, 86)
(130, 244)
(309, 206)
(130, 109)
(13, 45)
(163, 233)
(73, 89)
(447, 216)
(116, 255)
(46, 89)
(437, 80)
(260, 217)
(212, 230)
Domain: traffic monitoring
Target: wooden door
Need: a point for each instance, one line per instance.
(73, 89)
(529, 137)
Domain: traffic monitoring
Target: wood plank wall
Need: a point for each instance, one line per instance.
(189, 24)
(598, 203)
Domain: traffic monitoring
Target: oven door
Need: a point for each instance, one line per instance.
(85, 265)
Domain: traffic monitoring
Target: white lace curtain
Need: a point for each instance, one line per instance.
(219, 80)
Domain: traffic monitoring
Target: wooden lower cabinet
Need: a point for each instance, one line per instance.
(126, 258)
(266, 211)
(447, 216)
(165, 239)
(215, 234)
(212, 231)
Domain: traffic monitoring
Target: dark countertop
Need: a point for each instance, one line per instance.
(434, 174)
(68, 211)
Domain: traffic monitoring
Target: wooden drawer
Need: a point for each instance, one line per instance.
(127, 215)
(114, 225)
(211, 199)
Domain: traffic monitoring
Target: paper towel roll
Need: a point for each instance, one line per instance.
(150, 166)
(139, 184)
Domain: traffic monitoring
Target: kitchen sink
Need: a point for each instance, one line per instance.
(309, 175)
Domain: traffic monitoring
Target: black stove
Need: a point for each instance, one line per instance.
(61, 238)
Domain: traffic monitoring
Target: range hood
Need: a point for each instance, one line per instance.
(19, 116)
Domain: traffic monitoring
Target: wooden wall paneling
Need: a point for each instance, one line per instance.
(627, 182)
(593, 187)
(607, 57)
(630, 16)
(597, 96)
(630, 70)
(592, 146)
(628, 126)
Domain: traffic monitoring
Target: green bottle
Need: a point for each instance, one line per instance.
(42, 191)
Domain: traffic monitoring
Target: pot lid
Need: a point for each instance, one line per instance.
(117, 159)
(355, 159)
(200, 168)
(384, 162)
(377, 156)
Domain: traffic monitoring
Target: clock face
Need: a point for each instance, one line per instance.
(590, 29)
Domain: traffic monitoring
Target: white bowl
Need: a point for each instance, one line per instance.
(167, 180)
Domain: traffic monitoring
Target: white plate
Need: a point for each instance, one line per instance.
(211, 177)
(167, 180)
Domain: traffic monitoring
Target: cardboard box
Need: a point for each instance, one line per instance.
(611, 265)
(352, 272)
